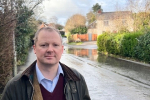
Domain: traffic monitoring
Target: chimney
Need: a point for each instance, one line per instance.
(99, 11)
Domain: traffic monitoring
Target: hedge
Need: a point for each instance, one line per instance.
(128, 44)
(142, 50)
(113, 43)
(101, 41)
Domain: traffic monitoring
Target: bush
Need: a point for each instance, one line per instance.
(113, 43)
(22, 47)
(101, 41)
(69, 38)
(79, 30)
(24, 36)
(131, 44)
(25, 29)
(142, 50)
(128, 44)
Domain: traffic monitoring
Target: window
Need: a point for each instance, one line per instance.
(106, 23)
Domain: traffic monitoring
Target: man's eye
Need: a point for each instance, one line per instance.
(43, 45)
(56, 45)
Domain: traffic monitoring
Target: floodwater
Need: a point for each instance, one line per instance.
(110, 78)
(136, 71)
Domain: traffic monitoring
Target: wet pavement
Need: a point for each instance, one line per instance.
(104, 84)
(107, 78)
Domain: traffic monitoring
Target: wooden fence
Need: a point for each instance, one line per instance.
(85, 37)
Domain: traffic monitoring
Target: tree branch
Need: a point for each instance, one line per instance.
(8, 22)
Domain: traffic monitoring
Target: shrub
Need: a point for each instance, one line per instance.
(25, 29)
(101, 41)
(22, 47)
(128, 44)
(69, 38)
(113, 43)
(142, 50)
(79, 30)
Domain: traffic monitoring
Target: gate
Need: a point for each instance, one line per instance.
(90, 37)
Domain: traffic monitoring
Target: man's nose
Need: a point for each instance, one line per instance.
(50, 48)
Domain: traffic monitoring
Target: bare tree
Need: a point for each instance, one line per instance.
(134, 5)
(75, 21)
(141, 12)
(7, 25)
(147, 6)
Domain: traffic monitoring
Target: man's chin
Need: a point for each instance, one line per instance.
(49, 63)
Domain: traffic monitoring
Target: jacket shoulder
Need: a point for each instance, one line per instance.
(8, 91)
(13, 79)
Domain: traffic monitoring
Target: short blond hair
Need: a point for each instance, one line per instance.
(50, 29)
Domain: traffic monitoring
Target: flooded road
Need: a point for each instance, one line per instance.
(110, 78)
(136, 71)
(107, 78)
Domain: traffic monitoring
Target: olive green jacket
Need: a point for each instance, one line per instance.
(21, 86)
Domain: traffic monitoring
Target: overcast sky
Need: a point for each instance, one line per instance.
(63, 9)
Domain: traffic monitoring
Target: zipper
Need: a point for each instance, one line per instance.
(33, 89)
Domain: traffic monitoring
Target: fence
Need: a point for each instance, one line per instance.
(85, 37)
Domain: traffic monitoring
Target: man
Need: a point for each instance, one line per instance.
(47, 78)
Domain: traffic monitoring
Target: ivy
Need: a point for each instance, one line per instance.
(23, 32)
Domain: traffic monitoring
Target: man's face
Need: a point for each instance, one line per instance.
(48, 48)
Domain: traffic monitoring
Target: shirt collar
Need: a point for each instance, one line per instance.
(40, 76)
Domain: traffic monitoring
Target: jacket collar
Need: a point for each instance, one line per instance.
(68, 73)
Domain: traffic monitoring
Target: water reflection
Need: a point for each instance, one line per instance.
(86, 53)
(134, 71)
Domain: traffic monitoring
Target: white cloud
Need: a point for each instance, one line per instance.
(60, 8)
(63, 9)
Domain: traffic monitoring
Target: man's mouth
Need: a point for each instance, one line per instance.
(49, 56)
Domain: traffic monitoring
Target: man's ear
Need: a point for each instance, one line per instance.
(34, 48)
(62, 48)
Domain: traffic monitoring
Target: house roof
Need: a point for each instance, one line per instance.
(113, 15)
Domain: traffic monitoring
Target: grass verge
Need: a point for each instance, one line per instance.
(75, 43)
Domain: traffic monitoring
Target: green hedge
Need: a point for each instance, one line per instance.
(22, 47)
(79, 30)
(113, 43)
(101, 41)
(128, 44)
(24, 32)
(142, 50)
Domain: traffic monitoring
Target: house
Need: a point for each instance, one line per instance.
(42, 25)
(111, 22)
